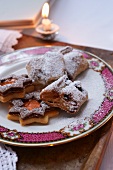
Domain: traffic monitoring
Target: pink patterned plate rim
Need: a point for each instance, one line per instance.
(97, 80)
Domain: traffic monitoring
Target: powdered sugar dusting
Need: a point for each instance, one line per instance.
(71, 94)
(18, 106)
(73, 61)
(78, 97)
(68, 58)
(58, 85)
(46, 68)
(19, 82)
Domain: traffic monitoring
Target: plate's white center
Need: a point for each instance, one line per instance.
(91, 81)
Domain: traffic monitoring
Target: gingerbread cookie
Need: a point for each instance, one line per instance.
(15, 87)
(47, 68)
(65, 94)
(30, 109)
(74, 61)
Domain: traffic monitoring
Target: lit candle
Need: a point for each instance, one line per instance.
(46, 23)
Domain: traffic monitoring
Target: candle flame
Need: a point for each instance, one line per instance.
(45, 10)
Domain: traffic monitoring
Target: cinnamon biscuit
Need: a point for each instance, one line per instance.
(30, 109)
(65, 94)
(75, 62)
(15, 86)
(47, 68)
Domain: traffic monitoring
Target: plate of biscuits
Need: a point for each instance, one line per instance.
(53, 95)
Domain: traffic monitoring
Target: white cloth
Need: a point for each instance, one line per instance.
(8, 38)
(8, 158)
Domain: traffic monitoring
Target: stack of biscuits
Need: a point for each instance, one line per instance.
(50, 84)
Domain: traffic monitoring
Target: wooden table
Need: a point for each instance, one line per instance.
(85, 153)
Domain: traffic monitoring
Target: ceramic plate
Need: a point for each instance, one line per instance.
(97, 80)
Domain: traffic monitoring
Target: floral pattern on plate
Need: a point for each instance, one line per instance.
(96, 64)
(109, 94)
(10, 134)
(77, 128)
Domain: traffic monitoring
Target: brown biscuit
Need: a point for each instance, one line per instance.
(65, 94)
(15, 87)
(47, 68)
(41, 120)
(30, 109)
(75, 62)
